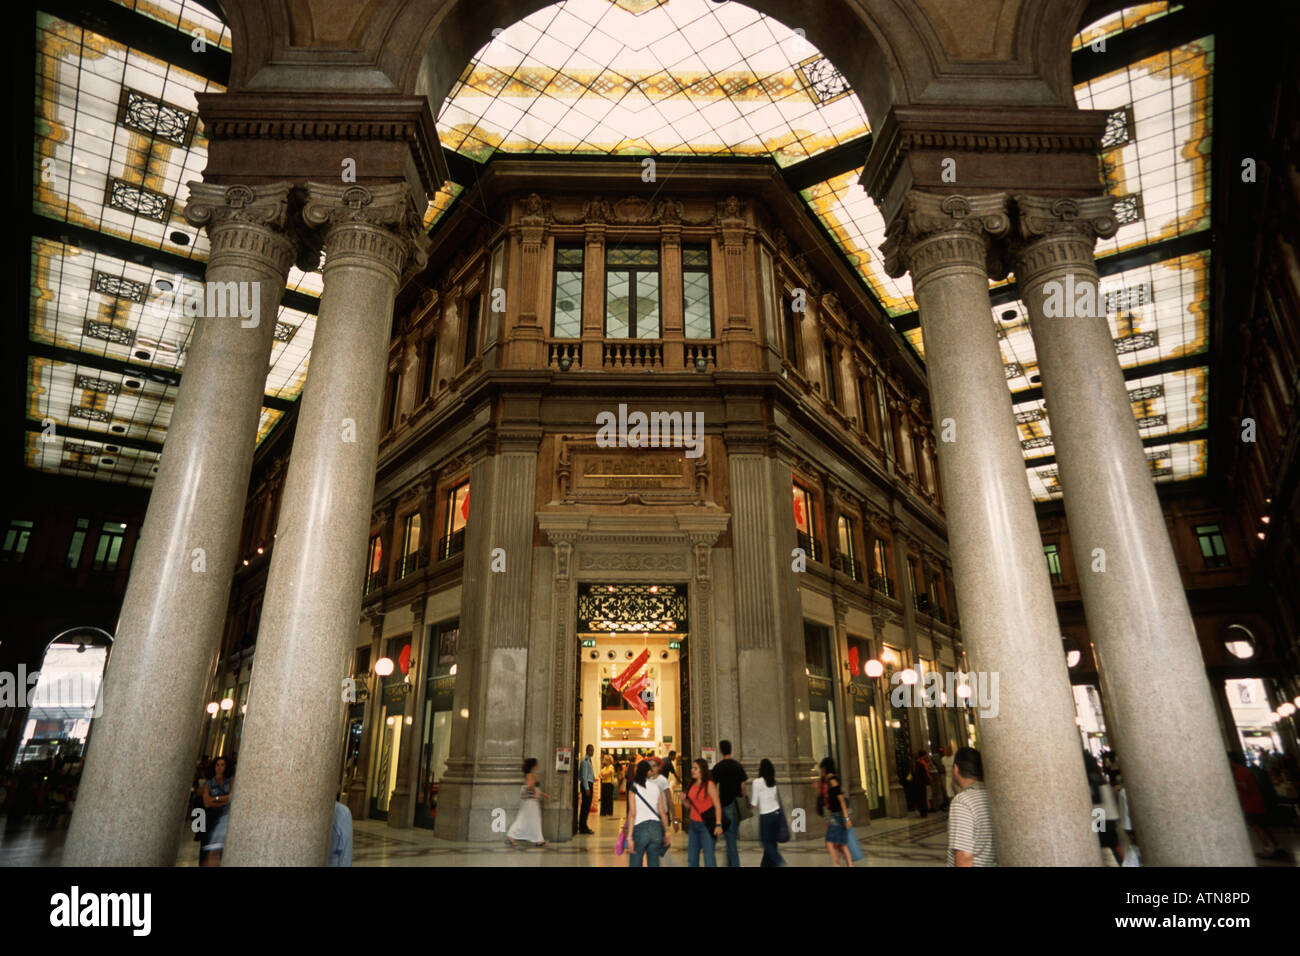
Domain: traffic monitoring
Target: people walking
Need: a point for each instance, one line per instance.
(528, 822)
(970, 825)
(767, 802)
(730, 777)
(658, 778)
(834, 806)
(702, 810)
(586, 788)
(216, 804)
(647, 819)
(607, 786)
(1255, 808)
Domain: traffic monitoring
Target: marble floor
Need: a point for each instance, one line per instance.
(886, 842)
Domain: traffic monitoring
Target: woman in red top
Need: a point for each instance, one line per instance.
(702, 798)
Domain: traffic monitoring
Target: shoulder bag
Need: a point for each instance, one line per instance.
(782, 827)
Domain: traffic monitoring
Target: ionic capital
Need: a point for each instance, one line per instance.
(378, 225)
(1057, 235)
(931, 232)
(245, 221)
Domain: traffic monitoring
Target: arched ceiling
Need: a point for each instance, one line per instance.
(118, 137)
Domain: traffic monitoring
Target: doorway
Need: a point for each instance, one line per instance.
(633, 689)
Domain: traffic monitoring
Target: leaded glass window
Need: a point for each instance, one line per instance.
(697, 305)
(566, 310)
(632, 293)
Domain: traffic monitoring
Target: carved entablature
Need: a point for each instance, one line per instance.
(878, 520)
(588, 473)
(457, 466)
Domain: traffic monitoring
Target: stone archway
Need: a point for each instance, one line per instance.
(894, 52)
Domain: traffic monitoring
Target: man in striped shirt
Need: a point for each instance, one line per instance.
(970, 827)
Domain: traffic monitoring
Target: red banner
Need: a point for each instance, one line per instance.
(618, 682)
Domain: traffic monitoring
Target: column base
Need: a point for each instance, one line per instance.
(399, 810)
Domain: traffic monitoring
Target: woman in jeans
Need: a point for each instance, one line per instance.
(837, 809)
(768, 803)
(647, 819)
(702, 798)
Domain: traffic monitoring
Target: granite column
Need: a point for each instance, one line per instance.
(282, 805)
(1167, 734)
(132, 796)
(1008, 614)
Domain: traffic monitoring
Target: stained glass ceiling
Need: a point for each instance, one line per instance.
(117, 138)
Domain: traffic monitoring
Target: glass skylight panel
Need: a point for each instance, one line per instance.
(1167, 162)
(185, 16)
(82, 148)
(1122, 20)
(289, 358)
(858, 228)
(687, 77)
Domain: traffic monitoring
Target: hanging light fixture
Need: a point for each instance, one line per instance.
(384, 666)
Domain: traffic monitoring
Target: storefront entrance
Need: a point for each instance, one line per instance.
(633, 693)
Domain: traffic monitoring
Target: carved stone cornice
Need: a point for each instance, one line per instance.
(377, 224)
(251, 222)
(933, 232)
(381, 512)
(243, 126)
(1058, 235)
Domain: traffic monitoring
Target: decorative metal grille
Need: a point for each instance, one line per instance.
(1033, 415)
(1155, 454)
(1164, 471)
(91, 414)
(109, 333)
(119, 287)
(824, 82)
(1128, 298)
(97, 385)
(1040, 442)
(1013, 370)
(149, 115)
(138, 200)
(632, 607)
(1128, 209)
(1146, 393)
(284, 331)
(1152, 421)
(1135, 343)
(1119, 128)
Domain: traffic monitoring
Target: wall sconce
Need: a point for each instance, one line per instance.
(873, 668)
(384, 666)
(213, 708)
(908, 676)
(227, 703)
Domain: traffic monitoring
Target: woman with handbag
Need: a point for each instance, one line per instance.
(771, 814)
(646, 826)
(705, 818)
(837, 808)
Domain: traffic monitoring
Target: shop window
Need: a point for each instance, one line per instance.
(375, 564)
(435, 739)
(848, 562)
(821, 707)
(864, 407)
(472, 311)
(697, 300)
(632, 293)
(1053, 554)
(17, 537)
(111, 537)
(455, 518)
(1213, 551)
(410, 543)
(566, 298)
(78, 542)
(804, 523)
(828, 363)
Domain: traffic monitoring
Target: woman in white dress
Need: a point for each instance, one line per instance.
(528, 824)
